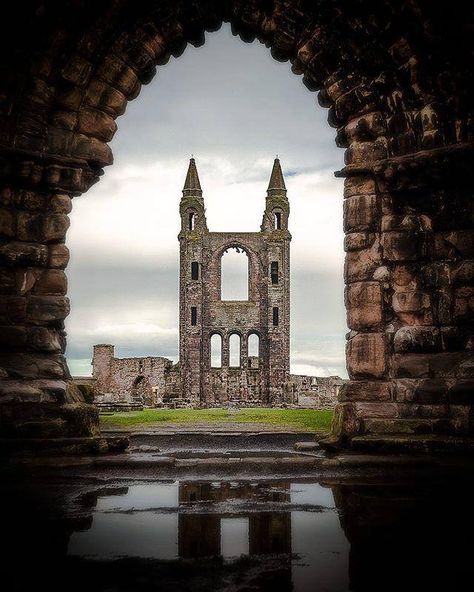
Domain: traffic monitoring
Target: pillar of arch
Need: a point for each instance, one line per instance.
(397, 81)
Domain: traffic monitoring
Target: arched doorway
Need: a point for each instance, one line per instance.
(401, 108)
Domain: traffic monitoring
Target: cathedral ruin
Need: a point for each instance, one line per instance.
(230, 351)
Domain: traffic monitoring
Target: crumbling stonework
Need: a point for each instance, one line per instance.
(261, 379)
(397, 80)
(316, 392)
(203, 313)
(146, 380)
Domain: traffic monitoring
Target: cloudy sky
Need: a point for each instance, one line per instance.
(234, 108)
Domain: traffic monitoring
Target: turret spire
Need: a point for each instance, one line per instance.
(192, 186)
(277, 181)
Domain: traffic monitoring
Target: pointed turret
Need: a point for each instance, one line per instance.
(277, 182)
(277, 207)
(192, 186)
(192, 210)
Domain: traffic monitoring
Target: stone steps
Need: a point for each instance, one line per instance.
(431, 443)
(407, 426)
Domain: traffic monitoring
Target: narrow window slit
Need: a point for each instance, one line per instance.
(277, 220)
(274, 272)
(275, 315)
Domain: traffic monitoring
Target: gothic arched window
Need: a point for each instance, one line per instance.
(216, 351)
(234, 350)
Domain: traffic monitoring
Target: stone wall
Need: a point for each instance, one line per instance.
(266, 312)
(316, 392)
(146, 380)
(156, 382)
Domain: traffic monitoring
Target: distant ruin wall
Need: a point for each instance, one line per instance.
(156, 381)
(316, 391)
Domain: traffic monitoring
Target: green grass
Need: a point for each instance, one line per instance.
(308, 419)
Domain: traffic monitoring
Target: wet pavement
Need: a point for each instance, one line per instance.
(109, 529)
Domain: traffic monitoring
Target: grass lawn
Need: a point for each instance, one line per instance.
(307, 419)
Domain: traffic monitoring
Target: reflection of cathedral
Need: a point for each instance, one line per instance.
(200, 535)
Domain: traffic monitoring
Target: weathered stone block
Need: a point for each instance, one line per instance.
(364, 305)
(92, 150)
(435, 275)
(366, 151)
(417, 339)
(77, 70)
(95, 123)
(359, 185)
(412, 365)
(448, 245)
(7, 280)
(360, 213)
(27, 366)
(58, 256)
(41, 309)
(361, 265)
(376, 409)
(7, 223)
(33, 200)
(463, 273)
(106, 97)
(119, 75)
(422, 391)
(365, 390)
(52, 281)
(25, 279)
(404, 276)
(367, 355)
(345, 422)
(61, 203)
(28, 227)
(410, 301)
(464, 304)
(356, 241)
(19, 390)
(367, 127)
(45, 339)
(457, 338)
(23, 253)
(400, 426)
(12, 309)
(401, 246)
(54, 227)
(12, 336)
(65, 119)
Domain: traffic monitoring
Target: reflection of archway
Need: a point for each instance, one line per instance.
(401, 107)
(140, 391)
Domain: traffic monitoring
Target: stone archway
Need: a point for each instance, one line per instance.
(396, 80)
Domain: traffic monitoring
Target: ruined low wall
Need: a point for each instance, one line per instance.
(156, 382)
(315, 392)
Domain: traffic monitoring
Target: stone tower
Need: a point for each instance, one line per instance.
(257, 379)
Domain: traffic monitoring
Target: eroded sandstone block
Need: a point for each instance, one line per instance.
(367, 355)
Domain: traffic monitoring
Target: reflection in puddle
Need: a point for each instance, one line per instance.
(238, 536)
(296, 522)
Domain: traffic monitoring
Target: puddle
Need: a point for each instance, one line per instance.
(239, 535)
(232, 521)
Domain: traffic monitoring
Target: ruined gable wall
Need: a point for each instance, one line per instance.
(127, 379)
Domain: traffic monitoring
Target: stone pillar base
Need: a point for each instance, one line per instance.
(48, 420)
